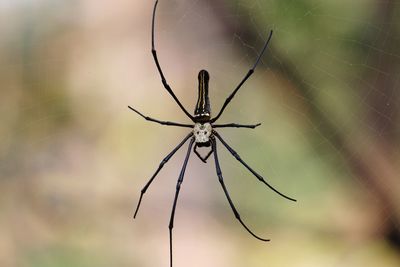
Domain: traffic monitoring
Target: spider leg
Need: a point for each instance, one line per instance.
(169, 123)
(252, 126)
(249, 73)
(259, 177)
(200, 157)
(163, 80)
(178, 187)
(221, 181)
(165, 160)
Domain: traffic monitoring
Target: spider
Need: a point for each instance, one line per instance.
(203, 134)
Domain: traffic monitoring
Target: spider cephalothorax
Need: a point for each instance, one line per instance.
(203, 134)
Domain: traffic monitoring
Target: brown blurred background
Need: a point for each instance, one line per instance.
(73, 158)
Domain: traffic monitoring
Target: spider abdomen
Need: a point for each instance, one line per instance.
(203, 109)
(202, 132)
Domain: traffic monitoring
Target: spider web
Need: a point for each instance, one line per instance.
(327, 94)
(73, 158)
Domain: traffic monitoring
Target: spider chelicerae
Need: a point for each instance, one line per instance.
(203, 134)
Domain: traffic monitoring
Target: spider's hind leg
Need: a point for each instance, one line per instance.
(203, 159)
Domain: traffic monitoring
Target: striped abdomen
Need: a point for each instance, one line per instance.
(202, 111)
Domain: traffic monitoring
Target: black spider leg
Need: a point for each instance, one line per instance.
(221, 181)
(249, 73)
(200, 157)
(163, 80)
(178, 187)
(252, 126)
(259, 177)
(169, 123)
(165, 160)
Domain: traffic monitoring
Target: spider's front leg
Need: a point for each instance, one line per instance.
(165, 160)
(221, 181)
(259, 177)
(178, 188)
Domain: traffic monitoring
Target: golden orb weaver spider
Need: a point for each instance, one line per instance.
(202, 135)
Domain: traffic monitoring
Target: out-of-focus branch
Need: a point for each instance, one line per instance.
(374, 165)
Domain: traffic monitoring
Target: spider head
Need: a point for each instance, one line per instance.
(202, 132)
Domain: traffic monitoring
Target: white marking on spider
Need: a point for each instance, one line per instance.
(202, 132)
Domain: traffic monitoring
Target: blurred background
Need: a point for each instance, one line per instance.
(73, 157)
